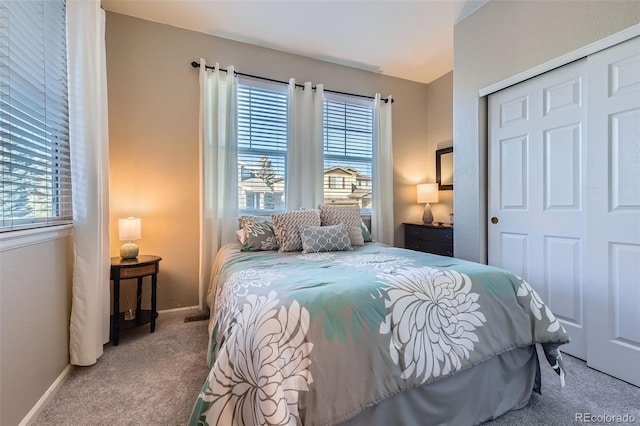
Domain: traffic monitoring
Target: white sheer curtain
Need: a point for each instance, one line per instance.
(305, 155)
(89, 140)
(382, 196)
(218, 166)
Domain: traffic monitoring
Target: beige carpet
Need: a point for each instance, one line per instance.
(154, 379)
(148, 379)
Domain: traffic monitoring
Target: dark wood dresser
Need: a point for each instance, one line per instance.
(436, 239)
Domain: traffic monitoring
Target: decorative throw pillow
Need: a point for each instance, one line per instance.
(287, 227)
(257, 234)
(366, 235)
(316, 239)
(349, 215)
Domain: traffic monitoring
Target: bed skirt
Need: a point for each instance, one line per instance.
(484, 392)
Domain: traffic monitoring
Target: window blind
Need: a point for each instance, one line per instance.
(35, 176)
(262, 148)
(348, 151)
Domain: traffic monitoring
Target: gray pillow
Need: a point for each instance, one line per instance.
(257, 234)
(349, 215)
(316, 239)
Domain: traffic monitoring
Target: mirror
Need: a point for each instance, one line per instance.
(444, 168)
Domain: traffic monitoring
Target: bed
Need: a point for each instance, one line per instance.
(373, 336)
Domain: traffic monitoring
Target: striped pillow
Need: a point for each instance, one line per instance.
(287, 227)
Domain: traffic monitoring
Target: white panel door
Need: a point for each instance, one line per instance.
(613, 255)
(537, 192)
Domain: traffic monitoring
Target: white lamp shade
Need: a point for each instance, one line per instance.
(129, 229)
(427, 192)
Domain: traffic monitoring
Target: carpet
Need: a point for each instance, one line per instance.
(154, 379)
(148, 379)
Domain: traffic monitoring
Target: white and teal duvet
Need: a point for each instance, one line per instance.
(314, 339)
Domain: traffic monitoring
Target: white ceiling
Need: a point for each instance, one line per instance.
(407, 39)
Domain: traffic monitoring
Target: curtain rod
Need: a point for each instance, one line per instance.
(195, 64)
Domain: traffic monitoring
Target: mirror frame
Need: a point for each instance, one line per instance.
(439, 154)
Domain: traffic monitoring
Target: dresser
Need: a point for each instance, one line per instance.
(436, 239)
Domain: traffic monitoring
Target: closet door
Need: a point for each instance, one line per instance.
(613, 256)
(537, 190)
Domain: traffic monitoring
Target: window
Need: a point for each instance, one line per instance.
(35, 176)
(262, 147)
(336, 182)
(348, 150)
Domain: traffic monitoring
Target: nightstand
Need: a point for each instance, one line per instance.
(138, 268)
(436, 239)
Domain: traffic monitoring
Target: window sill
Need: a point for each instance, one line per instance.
(259, 213)
(16, 239)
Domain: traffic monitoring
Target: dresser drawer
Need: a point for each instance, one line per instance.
(429, 238)
(431, 247)
(138, 271)
(443, 234)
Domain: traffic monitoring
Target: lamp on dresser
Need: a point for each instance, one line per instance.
(427, 193)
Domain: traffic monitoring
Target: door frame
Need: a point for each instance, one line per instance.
(589, 49)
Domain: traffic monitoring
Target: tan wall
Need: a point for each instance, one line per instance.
(499, 40)
(440, 135)
(153, 126)
(35, 304)
(439, 122)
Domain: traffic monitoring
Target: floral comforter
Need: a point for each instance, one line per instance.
(314, 339)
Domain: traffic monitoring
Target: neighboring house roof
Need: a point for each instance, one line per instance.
(359, 193)
(257, 185)
(342, 170)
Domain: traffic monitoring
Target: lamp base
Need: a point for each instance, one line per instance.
(129, 250)
(427, 216)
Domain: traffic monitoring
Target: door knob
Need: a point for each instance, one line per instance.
(494, 220)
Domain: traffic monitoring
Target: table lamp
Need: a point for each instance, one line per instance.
(427, 193)
(129, 229)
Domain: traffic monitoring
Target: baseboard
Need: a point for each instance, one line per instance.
(198, 316)
(55, 386)
(194, 313)
(44, 399)
(184, 308)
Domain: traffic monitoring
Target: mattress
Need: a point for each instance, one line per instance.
(356, 337)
